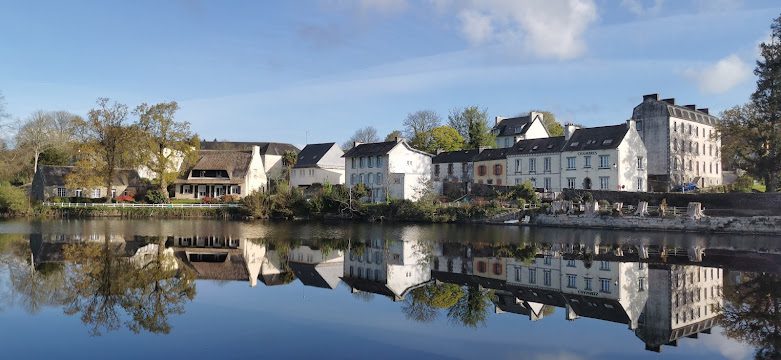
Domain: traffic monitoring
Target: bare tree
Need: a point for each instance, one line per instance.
(418, 126)
(45, 130)
(363, 135)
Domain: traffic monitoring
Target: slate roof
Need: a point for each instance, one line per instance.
(282, 278)
(460, 156)
(236, 163)
(492, 154)
(233, 268)
(598, 308)
(689, 112)
(311, 154)
(512, 126)
(371, 149)
(596, 138)
(266, 148)
(55, 176)
(310, 275)
(538, 146)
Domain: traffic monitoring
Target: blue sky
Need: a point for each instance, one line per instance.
(316, 70)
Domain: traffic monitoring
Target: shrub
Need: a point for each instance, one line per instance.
(13, 201)
(258, 204)
(588, 197)
(230, 198)
(156, 197)
(125, 198)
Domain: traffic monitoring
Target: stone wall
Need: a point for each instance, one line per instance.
(727, 204)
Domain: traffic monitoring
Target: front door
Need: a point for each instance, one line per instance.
(587, 183)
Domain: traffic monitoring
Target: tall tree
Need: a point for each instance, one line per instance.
(472, 124)
(445, 138)
(471, 309)
(363, 135)
(549, 120)
(5, 124)
(752, 313)
(289, 159)
(393, 135)
(108, 143)
(43, 131)
(166, 141)
(767, 99)
(418, 126)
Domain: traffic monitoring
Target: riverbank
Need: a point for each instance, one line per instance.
(141, 212)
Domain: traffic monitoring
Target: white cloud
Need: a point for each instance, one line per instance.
(544, 28)
(639, 8)
(721, 76)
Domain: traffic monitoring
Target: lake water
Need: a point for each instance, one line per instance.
(222, 289)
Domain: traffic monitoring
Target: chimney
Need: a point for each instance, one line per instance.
(398, 139)
(631, 124)
(670, 101)
(255, 151)
(691, 107)
(705, 110)
(356, 143)
(439, 151)
(651, 97)
(498, 119)
(569, 129)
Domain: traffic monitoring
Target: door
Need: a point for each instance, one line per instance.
(587, 183)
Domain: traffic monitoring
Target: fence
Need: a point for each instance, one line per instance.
(132, 205)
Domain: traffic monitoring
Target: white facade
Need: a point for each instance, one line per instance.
(515, 131)
(542, 170)
(328, 169)
(199, 184)
(399, 173)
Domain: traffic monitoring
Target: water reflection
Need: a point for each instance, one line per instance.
(661, 292)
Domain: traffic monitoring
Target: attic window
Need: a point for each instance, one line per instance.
(574, 144)
(591, 142)
(550, 146)
(521, 148)
(607, 142)
(535, 147)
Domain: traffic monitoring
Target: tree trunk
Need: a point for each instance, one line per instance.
(35, 163)
(771, 183)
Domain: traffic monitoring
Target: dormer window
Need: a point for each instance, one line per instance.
(607, 142)
(574, 144)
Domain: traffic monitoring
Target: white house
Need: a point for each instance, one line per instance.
(223, 172)
(682, 142)
(318, 164)
(391, 169)
(604, 158)
(508, 131)
(271, 153)
(600, 158)
(313, 267)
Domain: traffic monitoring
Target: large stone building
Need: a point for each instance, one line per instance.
(682, 143)
(508, 131)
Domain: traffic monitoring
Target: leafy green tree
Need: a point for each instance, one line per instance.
(418, 126)
(165, 141)
(289, 159)
(472, 124)
(393, 135)
(753, 131)
(472, 308)
(55, 157)
(752, 313)
(445, 138)
(13, 200)
(424, 302)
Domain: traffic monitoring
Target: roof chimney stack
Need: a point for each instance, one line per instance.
(691, 107)
(670, 101)
(705, 110)
(398, 139)
(651, 97)
(569, 129)
(498, 119)
(356, 143)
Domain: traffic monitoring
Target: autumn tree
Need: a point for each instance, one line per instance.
(363, 135)
(166, 142)
(445, 138)
(472, 124)
(107, 143)
(44, 131)
(418, 126)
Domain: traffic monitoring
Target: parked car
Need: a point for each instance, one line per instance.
(686, 187)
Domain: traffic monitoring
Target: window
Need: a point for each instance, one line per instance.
(450, 169)
(481, 170)
(362, 162)
(532, 166)
(546, 277)
(675, 126)
(236, 189)
(371, 162)
(114, 192)
(587, 283)
(546, 260)
(546, 164)
(675, 163)
(62, 192)
(675, 145)
(587, 162)
(77, 192)
(517, 166)
(604, 182)
(640, 184)
(360, 179)
(571, 183)
(640, 163)
(379, 179)
(604, 265)
(489, 181)
(532, 276)
(570, 263)
(571, 279)
(570, 163)
(481, 266)
(547, 183)
(379, 161)
(518, 274)
(604, 161)
(498, 169)
(604, 286)
(370, 178)
(641, 284)
(95, 193)
(497, 268)
(352, 179)
(436, 169)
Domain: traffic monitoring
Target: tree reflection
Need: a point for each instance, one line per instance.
(107, 286)
(471, 309)
(424, 302)
(752, 313)
(33, 287)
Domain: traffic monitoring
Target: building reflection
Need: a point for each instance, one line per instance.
(660, 293)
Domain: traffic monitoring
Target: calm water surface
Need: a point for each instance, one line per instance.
(218, 289)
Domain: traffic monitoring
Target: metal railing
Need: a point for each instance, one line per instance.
(133, 205)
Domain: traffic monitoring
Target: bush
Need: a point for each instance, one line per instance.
(13, 201)
(156, 197)
(588, 197)
(258, 204)
(125, 199)
(230, 198)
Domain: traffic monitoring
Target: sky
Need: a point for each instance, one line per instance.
(315, 71)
